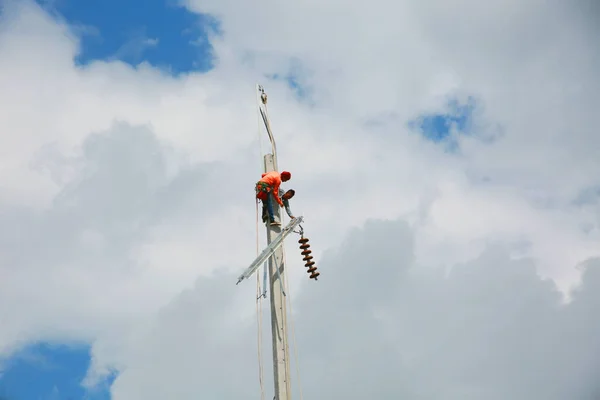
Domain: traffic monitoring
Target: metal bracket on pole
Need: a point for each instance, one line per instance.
(270, 249)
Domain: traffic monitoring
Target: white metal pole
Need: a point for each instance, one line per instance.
(281, 362)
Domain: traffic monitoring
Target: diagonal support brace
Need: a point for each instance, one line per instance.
(270, 249)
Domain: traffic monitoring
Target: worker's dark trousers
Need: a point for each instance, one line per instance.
(268, 204)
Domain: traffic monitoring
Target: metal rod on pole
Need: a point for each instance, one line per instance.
(265, 117)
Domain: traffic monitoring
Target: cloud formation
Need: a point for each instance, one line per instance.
(378, 326)
(123, 186)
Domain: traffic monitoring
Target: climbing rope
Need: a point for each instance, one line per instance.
(291, 314)
(259, 319)
(259, 293)
(261, 168)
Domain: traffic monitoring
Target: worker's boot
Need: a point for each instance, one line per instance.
(275, 223)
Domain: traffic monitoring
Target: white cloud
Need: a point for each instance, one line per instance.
(377, 326)
(123, 185)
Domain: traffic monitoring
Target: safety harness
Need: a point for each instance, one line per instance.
(262, 190)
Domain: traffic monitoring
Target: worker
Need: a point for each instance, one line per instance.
(268, 188)
(285, 197)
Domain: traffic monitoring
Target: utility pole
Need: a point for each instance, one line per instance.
(281, 361)
(276, 271)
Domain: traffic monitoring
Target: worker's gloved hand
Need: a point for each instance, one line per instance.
(293, 217)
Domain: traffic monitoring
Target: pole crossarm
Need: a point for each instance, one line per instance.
(270, 249)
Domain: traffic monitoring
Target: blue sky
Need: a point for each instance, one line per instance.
(49, 372)
(157, 31)
(437, 127)
(170, 37)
